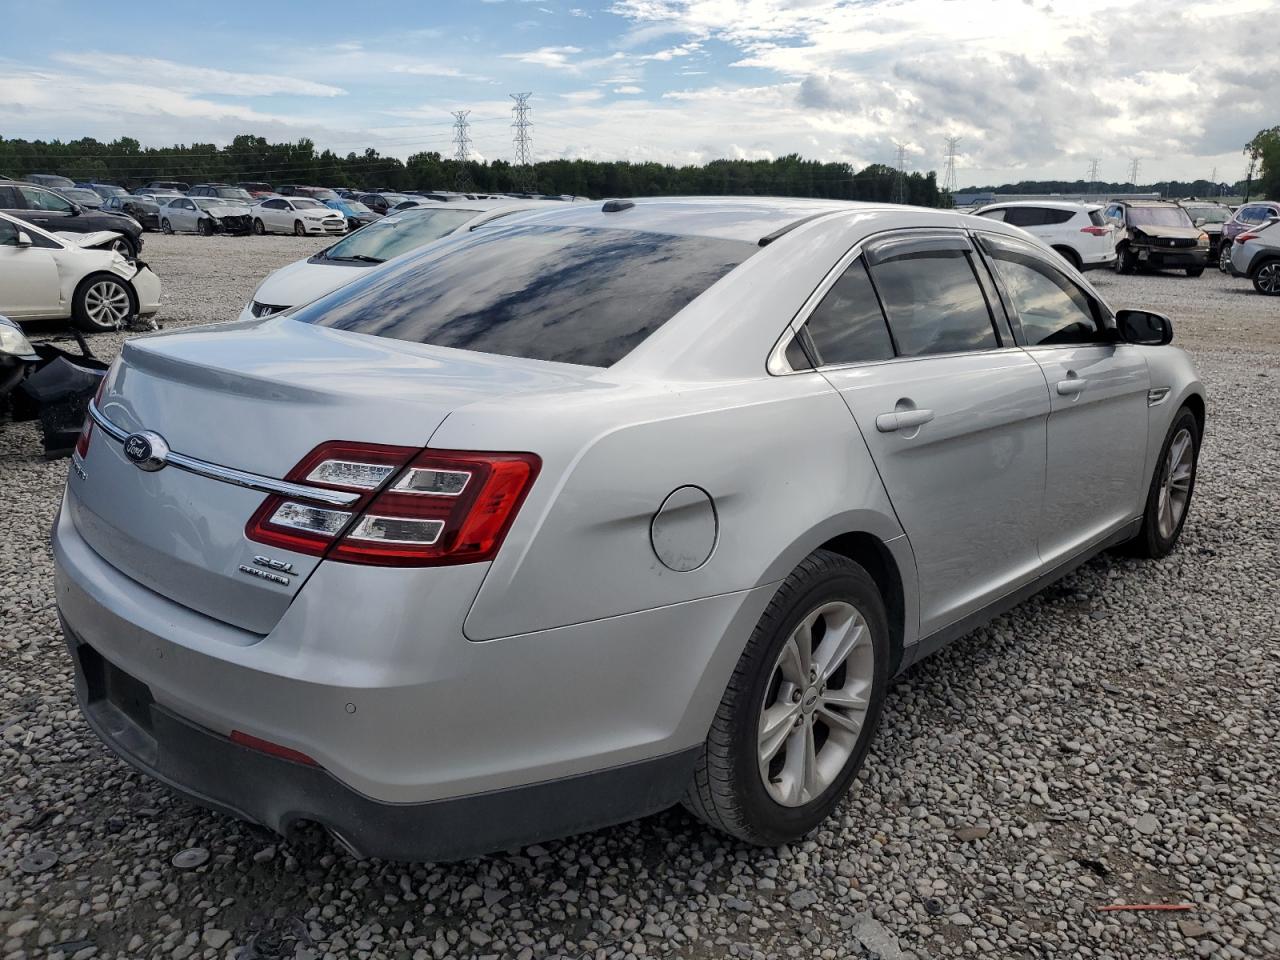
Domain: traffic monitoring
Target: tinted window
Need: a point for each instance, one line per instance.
(276, 205)
(398, 234)
(8, 198)
(993, 214)
(567, 294)
(934, 303)
(8, 234)
(1051, 308)
(847, 326)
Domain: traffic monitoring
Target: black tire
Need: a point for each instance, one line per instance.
(81, 315)
(166, 226)
(1194, 271)
(1071, 257)
(1126, 262)
(298, 229)
(727, 791)
(1149, 543)
(204, 228)
(259, 228)
(1266, 278)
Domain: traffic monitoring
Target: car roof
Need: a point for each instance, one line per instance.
(1074, 205)
(748, 219)
(1148, 203)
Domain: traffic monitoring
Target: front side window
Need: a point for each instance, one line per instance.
(276, 205)
(1051, 308)
(564, 294)
(8, 234)
(848, 326)
(44, 200)
(934, 303)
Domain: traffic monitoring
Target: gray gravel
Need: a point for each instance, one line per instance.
(1113, 740)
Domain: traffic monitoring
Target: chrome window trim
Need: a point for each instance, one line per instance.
(239, 478)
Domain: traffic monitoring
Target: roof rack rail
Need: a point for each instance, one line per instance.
(768, 238)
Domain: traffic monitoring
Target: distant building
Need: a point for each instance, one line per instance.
(976, 199)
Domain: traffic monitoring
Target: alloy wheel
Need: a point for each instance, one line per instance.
(1267, 279)
(107, 303)
(1224, 258)
(815, 704)
(1175, 485)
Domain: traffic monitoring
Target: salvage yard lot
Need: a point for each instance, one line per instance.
(1111, 740)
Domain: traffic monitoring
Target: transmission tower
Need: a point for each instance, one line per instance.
(1213, 182)
(1134, 166)
(900, 179)
(949, 172)
(523, 140)
(461, 149)
(1093, 175)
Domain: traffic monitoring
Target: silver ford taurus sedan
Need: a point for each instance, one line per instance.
(568, 519)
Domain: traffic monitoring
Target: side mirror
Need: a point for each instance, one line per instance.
(1201, 221)
(76, 210)
(1144, 328)
(24, 238)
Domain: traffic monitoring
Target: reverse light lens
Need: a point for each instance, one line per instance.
(438, 483)
(397, 530)
(348, 473)
(302, 516)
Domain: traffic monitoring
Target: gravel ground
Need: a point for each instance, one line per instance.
(1110, 741)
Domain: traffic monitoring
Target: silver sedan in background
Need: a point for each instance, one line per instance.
(559, 522)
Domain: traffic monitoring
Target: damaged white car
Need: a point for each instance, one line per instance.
(48, 276)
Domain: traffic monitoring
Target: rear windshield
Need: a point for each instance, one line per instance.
(1159, 217)
(566, 294)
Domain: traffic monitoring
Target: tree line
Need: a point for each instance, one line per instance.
(249, 158)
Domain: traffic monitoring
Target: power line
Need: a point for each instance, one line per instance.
(523, 140)
(949, 172)
(900, 181)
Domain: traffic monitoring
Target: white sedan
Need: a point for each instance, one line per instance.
(393, 235)
(297, 215)
(205, 216)
(46, 276)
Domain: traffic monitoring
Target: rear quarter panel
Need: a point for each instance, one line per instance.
(780, 457)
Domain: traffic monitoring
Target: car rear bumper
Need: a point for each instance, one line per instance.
(279, 793)
(369, 673)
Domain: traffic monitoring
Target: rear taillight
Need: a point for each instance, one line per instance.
(86, 431)
(1241, 238)
(1096, 231)
(414, 508)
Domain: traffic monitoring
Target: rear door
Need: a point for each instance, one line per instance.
(1097, 433)
(951, 410)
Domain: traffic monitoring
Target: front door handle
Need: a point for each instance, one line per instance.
(902, 420)
(1069, 388)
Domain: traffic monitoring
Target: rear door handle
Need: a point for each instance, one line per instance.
(1069, 388)
(902, 420)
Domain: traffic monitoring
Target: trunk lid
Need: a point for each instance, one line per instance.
(256, 396)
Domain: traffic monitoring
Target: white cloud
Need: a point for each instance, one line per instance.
(554, 58)
(193, 79)
(629, 90)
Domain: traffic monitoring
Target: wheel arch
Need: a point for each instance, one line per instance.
(1261, 261)
(105, 275)
(1068, 254)
(873, 555)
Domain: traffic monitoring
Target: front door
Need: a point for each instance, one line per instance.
(951, 410)
(28, 276)
(1097, 472)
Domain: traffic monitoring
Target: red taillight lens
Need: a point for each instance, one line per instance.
(1096, 231)
(1245, 236)
(441, 507)
(86, 432)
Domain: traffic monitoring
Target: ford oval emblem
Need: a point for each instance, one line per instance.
(147, 450)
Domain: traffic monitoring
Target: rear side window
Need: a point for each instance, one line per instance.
(1097, 219)
(847, 325)
(934, 303)
(997, 214)
(565, 294)
(1036, 216)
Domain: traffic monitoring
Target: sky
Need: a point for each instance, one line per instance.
(1033, 88)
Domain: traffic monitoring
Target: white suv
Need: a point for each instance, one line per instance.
(1077, 231)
